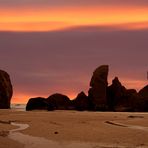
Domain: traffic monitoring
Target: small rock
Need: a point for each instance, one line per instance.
(135, 116)
(55, 132)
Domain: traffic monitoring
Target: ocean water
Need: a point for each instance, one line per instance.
(18, 107)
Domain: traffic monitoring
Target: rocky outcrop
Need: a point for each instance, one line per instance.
(97, 92)
(101, 97)
(37, 104)
(81, 102)
(6, 90)
(59, 101)
(115, 94)
(119, 98)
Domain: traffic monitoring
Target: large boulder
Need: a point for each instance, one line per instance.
(37, 104)
(6, 90)
(98, 88)
(81, 102)
(59, 101)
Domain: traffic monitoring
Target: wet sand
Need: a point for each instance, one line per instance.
(69, 129)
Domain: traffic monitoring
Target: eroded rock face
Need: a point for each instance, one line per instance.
(98, 84)
(37, 104)
(81, 102)
(59, 101)
(6, 90)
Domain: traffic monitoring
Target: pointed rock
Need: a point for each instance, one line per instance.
(119, 98)
(115, 93)
(81, 102)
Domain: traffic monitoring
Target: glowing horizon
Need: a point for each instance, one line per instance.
(128, 83)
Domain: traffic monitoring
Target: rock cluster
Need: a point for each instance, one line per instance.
(101, 97)
(6, 90)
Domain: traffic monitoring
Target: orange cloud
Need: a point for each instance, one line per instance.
(45, 19)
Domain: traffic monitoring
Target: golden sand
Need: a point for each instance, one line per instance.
(96, 129)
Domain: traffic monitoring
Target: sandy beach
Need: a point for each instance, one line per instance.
(76, 129)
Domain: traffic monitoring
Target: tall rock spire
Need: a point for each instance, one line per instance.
(98, 88)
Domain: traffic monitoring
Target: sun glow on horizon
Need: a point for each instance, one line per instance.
(23, 98)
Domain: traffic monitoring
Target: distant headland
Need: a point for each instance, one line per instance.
(101, 97)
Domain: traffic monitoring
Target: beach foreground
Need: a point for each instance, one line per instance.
(69, 129)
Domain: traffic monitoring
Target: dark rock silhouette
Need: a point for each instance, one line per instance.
(59, 101)
(142, 100)
(131, 96)
(144, 92)
(37, 104)
(119, 98)
(115, 94)
(6, 90)
(81, 102)
(97, 92)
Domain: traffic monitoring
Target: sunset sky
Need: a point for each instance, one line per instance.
(50, 46)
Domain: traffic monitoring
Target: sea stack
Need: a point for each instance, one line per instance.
(98, 88)
(6, 90)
